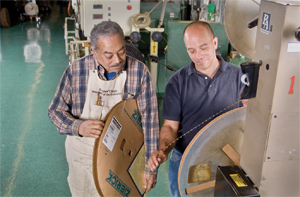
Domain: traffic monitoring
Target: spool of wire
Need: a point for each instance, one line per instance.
(31, 9)
(142, 20)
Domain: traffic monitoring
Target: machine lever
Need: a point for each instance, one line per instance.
(297, 34)
(253, 23)
(249, 79)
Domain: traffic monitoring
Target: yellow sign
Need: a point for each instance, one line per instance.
(239, 181)
(154, 47)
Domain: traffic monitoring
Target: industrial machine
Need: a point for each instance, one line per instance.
(90, 13)
(272, 120)
(32, 11)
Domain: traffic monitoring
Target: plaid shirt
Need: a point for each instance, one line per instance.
(68, 102)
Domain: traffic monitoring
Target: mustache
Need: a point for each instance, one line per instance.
(117, 65)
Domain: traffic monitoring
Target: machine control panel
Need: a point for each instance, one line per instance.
(121, 12)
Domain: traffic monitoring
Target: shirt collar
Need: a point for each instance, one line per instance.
(224, 65)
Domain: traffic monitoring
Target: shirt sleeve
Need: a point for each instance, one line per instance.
(59, 110)
(172, 102)
(148, 108)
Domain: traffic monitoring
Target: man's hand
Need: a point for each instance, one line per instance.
(149, 181)
(157, 157)
(245, 102)
(91, 128)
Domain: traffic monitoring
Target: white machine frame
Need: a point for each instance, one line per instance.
(270, 151)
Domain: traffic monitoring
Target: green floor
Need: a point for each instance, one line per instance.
(32, 153)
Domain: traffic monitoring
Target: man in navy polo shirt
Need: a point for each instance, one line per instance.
(193, 94)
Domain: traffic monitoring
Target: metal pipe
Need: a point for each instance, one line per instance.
(162, 14)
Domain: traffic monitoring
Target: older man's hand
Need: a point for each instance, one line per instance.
(91, 128)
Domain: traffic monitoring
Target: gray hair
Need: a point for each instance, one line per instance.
(105, 28)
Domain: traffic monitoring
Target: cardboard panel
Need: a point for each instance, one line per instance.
(116, 149)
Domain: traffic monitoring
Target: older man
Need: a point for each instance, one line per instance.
(77, 112)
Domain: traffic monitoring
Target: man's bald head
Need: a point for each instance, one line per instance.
(200, 24)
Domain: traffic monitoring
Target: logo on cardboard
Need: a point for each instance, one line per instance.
(265, 24)
(118, 184)
(136, 119)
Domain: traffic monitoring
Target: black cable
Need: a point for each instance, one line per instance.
(155, 59)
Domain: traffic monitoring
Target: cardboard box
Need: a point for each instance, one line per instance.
(119, 154)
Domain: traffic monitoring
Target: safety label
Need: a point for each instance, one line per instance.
(239, 181)
(154, 51)
(293, 47)
(112, 134)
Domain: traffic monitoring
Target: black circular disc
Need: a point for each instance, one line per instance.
(135, 37)
(156, 36)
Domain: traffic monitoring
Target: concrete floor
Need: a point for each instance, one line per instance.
(32, 153)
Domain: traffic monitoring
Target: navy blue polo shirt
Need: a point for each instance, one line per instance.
(192, 97)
